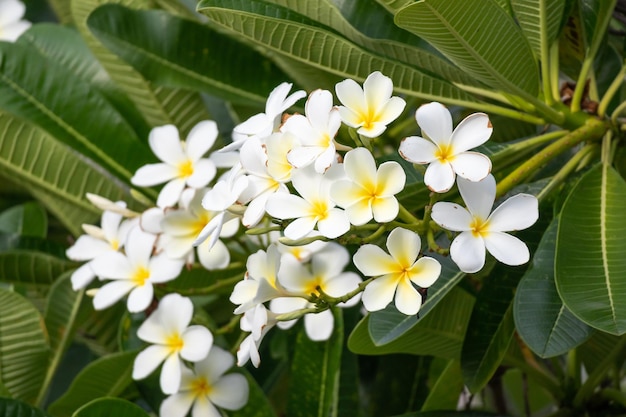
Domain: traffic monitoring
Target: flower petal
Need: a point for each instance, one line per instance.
(163, 269)
(343, 284)
(360, 167)
(351, 95)
(177, 405)
(197, 341)
(377, 89)
(473, 166)
(335, 224)
(111, 293)
(407, 300)
(139, 247)
(391, 110)
(425, 271)
(517, 213)
(86, 248)
(200, 139)
(11, 11)
(435, 121)
(478, 196)
(204, 408)
(287, 206)
(203, 172)
(506, 248)
(473, 131)
(170, 374)
(230, 392)
(215, 364)
(300, 227)
(165, 143)
(170, 193)
(468, 252)
(360, 212)
(417, 150)
(153, 174)
(451, 216)
(175, 312)
(404, 246)
(82, 277)
(148, 360)
(372, 261)
(140, 298)
(390, 179)
(379, 293)
(319, 326)
(385, 209)
(439, 176)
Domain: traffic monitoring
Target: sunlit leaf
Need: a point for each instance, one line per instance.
(590, 265)
(540, 20)
(541, 319)
(23, 346)
(480, 37)
(107, 376)
(106, 407)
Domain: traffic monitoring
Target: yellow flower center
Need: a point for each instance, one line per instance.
(200, 386)
(313, 284)
(445, 153)
(185, 169)
(479, 227)
(320, 209)
(140, 276)
(115, 244)
(174, 342)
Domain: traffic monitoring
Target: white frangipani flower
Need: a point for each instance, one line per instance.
(264, 124)
(182, 227)
(172, 339)
(206, 387)
(11, 23)
(133, 272)
(314, 208)
(183, 163)
(483, 230)
(325, 272)
(316, 132)
(397, 271)
(368, 193)
(371, 108)
(445, 150)
(110, 237)
(258, 321)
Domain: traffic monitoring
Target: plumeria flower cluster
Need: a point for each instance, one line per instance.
(323, 227)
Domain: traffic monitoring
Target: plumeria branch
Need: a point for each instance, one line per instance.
(593, 129)
(571, 166)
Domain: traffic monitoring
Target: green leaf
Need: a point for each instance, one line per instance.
(335, 54)
(159, 105)
(41, 164)
(490, 328)
(480, 38)
(446, 388)
(31, 267)
(73, 112)
(590, 265)
(541, 319)
(106, 407)
(258, 404)
(23, 346)
(387, 325)
(318, 364)
(14, 408)
(440, 334)
(210, 61)
(393, 6)
(60, 316)
(65, 46)
(27, 219)
(62, 10)
(451, 414)
(539, 20)
(108, 376)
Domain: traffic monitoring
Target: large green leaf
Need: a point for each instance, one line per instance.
(393, 6)
(490, 328)
(106, 407)
(333, 53)
(440, 334)
(31, 267)
(317, 365)
(159, 105)
(62, 10)
(541, 319)
(447, 386)
(38, 162)
(60, 316)
(107, 376)
(65, 46)
(363, 23)
(389, 324)
(23, 346)
(590, 265)
(27, 219)
(540, 21)
(74, 113)
(14, 408)
(209, 61)
(480, 37)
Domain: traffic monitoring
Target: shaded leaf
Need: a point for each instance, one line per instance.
(590, 265)
(106, 407)
(107, 376)
(447, 386)
(257, 405)
(480, 38)
(541, 319)
(28, 219)
(14, 408)
(440, 334)
(317, 363)
(31, 267)
(540, 20)
(23, 346)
